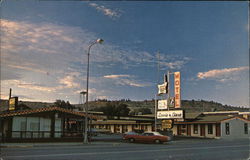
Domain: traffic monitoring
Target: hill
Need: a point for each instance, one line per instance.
(188, 105)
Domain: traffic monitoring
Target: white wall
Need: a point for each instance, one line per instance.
(198, 134)
(236, 129)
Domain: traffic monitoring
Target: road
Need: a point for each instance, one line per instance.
(175, 150)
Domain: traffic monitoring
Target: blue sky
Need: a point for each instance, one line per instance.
(44, 49)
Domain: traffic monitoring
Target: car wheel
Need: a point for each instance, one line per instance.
(157, 141)
(131, 140)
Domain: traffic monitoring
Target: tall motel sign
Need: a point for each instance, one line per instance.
(168, 109)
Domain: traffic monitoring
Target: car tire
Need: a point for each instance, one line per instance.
(157, 141)
(131, 140)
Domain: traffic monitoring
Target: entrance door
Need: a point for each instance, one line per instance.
(218, 130)
(178, 129)
(115, 128)
(189, 130)
(202, 130)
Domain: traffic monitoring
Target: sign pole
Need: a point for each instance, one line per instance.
(168, 89)
(155, 112)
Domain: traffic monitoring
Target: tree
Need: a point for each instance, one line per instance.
(141, 111)
(63, 104)
(122, 110)
(111, 110)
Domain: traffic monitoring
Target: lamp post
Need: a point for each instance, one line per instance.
(87, 92)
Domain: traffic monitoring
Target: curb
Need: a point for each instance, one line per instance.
(58, 144)
(16, 146)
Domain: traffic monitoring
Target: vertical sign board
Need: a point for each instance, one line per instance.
(13, 102)
(177, 89)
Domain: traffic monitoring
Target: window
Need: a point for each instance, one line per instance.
(195, 129)
(148, 134)
(23, 126)
(210, 129)
(34, 126)
(246, 128)
(227, 129)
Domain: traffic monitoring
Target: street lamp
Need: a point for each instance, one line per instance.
(83, 93)
(87, 92)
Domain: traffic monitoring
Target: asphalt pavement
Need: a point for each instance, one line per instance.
(183, 149)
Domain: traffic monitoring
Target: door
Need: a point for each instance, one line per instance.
(189, 130)
(115, 128)
(202, 129)
(218, 134)
(178, 129)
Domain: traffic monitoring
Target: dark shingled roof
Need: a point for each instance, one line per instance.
(46, 109)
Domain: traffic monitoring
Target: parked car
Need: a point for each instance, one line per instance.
(96, 131)
(130, 133)
(152, 137)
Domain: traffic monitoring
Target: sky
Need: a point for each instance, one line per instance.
(44, 49)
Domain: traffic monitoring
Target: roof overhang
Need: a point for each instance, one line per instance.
(46, 109)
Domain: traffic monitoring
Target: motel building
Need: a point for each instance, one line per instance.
(219, 125)
(122, 126)
(42, 125)
(53, 124)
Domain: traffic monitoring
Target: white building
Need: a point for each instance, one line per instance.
(213, 125)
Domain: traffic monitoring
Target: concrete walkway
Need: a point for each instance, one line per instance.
(28, 145)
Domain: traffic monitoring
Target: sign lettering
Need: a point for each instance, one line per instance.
(177, 114)
(177, 89)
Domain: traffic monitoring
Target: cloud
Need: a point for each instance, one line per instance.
(223, 75)
(113, 14)
(126, 80)
(47, 47)
(69, 81)
(28, 68)
(30, 86)
(52, 58)
(41, 47)
(168, 61)
(116, 76)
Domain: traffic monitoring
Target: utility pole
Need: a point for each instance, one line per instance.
(158, 72)
(168, 96)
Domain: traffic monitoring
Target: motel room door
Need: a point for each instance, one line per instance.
(218, 130)
(202, 129)
(178, 129)
(189, 130)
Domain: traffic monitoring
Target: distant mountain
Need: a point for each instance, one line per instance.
(188, 105)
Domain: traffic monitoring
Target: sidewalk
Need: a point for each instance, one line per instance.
(52, 144)
(96, 140)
